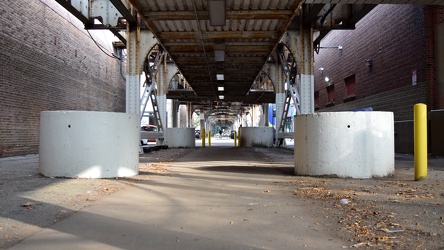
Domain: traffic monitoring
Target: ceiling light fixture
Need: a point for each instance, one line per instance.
(221, 97)
(219, 55)
(219, 51)
(220, 88)
(216, 12)
(220, 77)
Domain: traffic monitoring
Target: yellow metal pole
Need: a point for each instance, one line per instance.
(203, 137)
(209, 138)
(420, 138)
(235, 139)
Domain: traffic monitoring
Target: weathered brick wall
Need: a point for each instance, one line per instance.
(400, 101)
(48, 62)
(434, 15)
(393, 37)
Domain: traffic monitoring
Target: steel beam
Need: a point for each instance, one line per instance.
(126, 13)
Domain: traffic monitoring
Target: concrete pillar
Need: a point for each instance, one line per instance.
(169, 111)
(202, 119)
(264, 118)
(175, 113)
(190, 115)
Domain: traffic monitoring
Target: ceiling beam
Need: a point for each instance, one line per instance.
(217, 35)
(231, 15)
(228, 49)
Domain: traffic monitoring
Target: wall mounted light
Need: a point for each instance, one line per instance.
(321, 70)
(327, 79)
(339, 47)
(216, 12)
(369, 63)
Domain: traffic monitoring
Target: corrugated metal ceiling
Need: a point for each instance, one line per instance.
(250, 33)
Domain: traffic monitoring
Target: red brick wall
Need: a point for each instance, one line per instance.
(394, 38)
(434, 15)
(48, 62)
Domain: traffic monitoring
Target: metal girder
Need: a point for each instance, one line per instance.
(78, 8)
(113, 14)
(232, 15)
(327, 17)
(218, 35)
(289, 67)
(126, 13)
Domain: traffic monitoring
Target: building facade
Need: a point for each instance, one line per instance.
(389, 62)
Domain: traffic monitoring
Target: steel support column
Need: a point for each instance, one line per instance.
(307, 76)
(300, 43)
(133, 74)
(138, 45)
(162, 84)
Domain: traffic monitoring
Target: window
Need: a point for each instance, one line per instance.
(350, 88)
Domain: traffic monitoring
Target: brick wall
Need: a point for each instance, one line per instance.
(49, 63)
(434, 15)
(393, 37)
(400, 101)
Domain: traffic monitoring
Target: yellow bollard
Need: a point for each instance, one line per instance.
(420, 141)
(203, 137)
(209, 138)
(235, 139)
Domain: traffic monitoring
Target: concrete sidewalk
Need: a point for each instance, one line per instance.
(212, 198)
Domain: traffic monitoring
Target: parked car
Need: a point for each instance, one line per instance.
(197, 134)
(148, 129)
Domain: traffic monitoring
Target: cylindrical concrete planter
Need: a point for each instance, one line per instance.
(85, 144)
(344, 144)
(256, 137)
(180, 137)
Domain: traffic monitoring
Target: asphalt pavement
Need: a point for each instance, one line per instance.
(212, 198)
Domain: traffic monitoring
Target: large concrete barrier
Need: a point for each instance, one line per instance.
(256, 137)
(85, 144)
(344, 144)
(180, 137)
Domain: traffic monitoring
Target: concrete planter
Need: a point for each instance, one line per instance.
(256, 137)
(345, 144)
(82, 144)
(180, 137)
